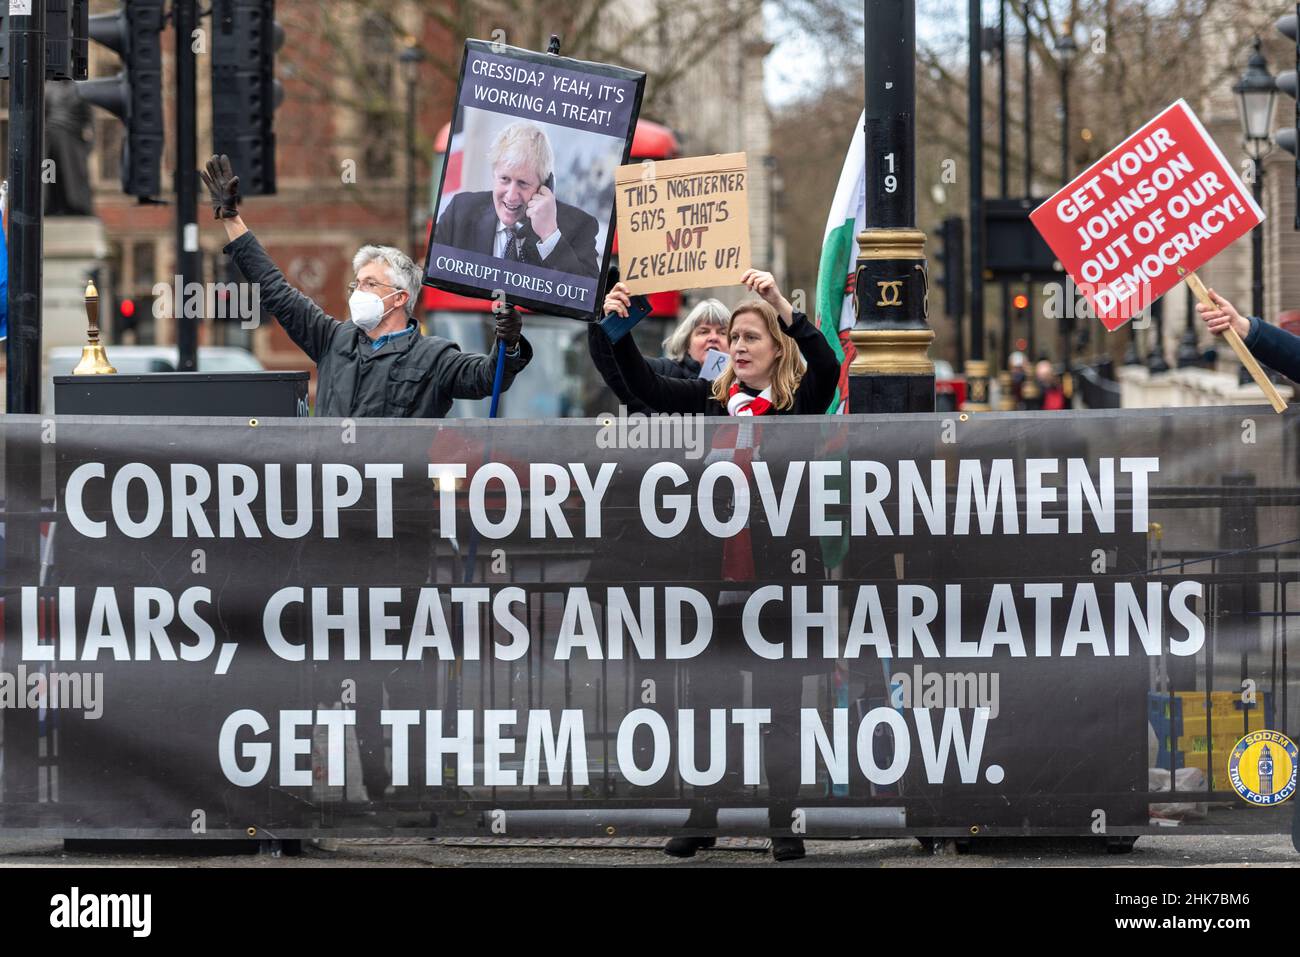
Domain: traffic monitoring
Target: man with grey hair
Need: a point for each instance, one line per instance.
(378, 364)
(519, 219)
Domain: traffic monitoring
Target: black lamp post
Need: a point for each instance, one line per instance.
(1004, 375)
(892, 371)
(1028, 109)
(1066, 49)
(1065, 52)
(1131, 355)
(1156, 362)
(1256, 92)
(977, 367)
(410, 58)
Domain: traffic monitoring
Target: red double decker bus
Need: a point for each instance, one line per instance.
(561, 380)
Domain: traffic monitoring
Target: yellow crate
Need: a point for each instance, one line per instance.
(1221, 703)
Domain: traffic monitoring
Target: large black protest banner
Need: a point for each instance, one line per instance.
(526, 200)
(831, 625)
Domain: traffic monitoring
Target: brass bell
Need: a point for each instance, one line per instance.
(94, 361)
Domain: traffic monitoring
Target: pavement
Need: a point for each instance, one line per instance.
(1195, 850)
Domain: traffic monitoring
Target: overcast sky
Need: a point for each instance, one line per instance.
(798, 63)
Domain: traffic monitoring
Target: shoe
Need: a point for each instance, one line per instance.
(687, 846)
(787, 848)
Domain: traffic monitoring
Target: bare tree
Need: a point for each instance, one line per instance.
(664, 39)
(1135, 57)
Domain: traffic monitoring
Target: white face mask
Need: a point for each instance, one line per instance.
(366, 309)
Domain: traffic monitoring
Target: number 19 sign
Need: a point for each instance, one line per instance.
(1160, 204)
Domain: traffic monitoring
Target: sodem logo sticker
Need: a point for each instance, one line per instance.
(1263, 767)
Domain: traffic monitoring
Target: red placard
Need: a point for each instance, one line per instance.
(1165, 199)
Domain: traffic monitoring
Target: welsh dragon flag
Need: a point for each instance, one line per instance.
(835, 315)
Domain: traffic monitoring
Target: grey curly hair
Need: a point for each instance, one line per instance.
(707, 312)
(404, 273)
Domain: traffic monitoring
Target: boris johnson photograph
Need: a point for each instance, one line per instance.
(526, 201)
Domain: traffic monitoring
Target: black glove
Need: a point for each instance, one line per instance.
(508, 326)
(223, 187)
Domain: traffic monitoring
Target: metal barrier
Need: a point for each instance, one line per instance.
(1096, 391)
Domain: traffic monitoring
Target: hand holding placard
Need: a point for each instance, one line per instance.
(1160, 205)
(621, 311)
(1250, 362)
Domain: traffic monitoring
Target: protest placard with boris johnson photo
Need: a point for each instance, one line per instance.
(526, 200)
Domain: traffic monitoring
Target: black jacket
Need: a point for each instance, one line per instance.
(470, 222)
(1276, 348)
(665, 394)
(602, 355)
(412, 376)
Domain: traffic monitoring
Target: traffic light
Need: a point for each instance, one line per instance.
(135, 94)
(245, 92)
(952, 253)
(66, 31)
(1287, 138)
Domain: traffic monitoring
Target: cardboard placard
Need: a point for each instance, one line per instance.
(1164, 199)
(683, 224)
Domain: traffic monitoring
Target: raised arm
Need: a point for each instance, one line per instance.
(305, 322)
(659, 393)
(821, 378)
(1276, 348)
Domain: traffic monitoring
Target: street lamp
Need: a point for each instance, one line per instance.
(1256, 91)
(410, 59)
(1027, 83)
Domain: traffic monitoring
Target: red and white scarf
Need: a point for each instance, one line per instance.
(740, 402)
(737, 443)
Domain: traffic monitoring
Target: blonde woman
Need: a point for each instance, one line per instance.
(780, 364)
